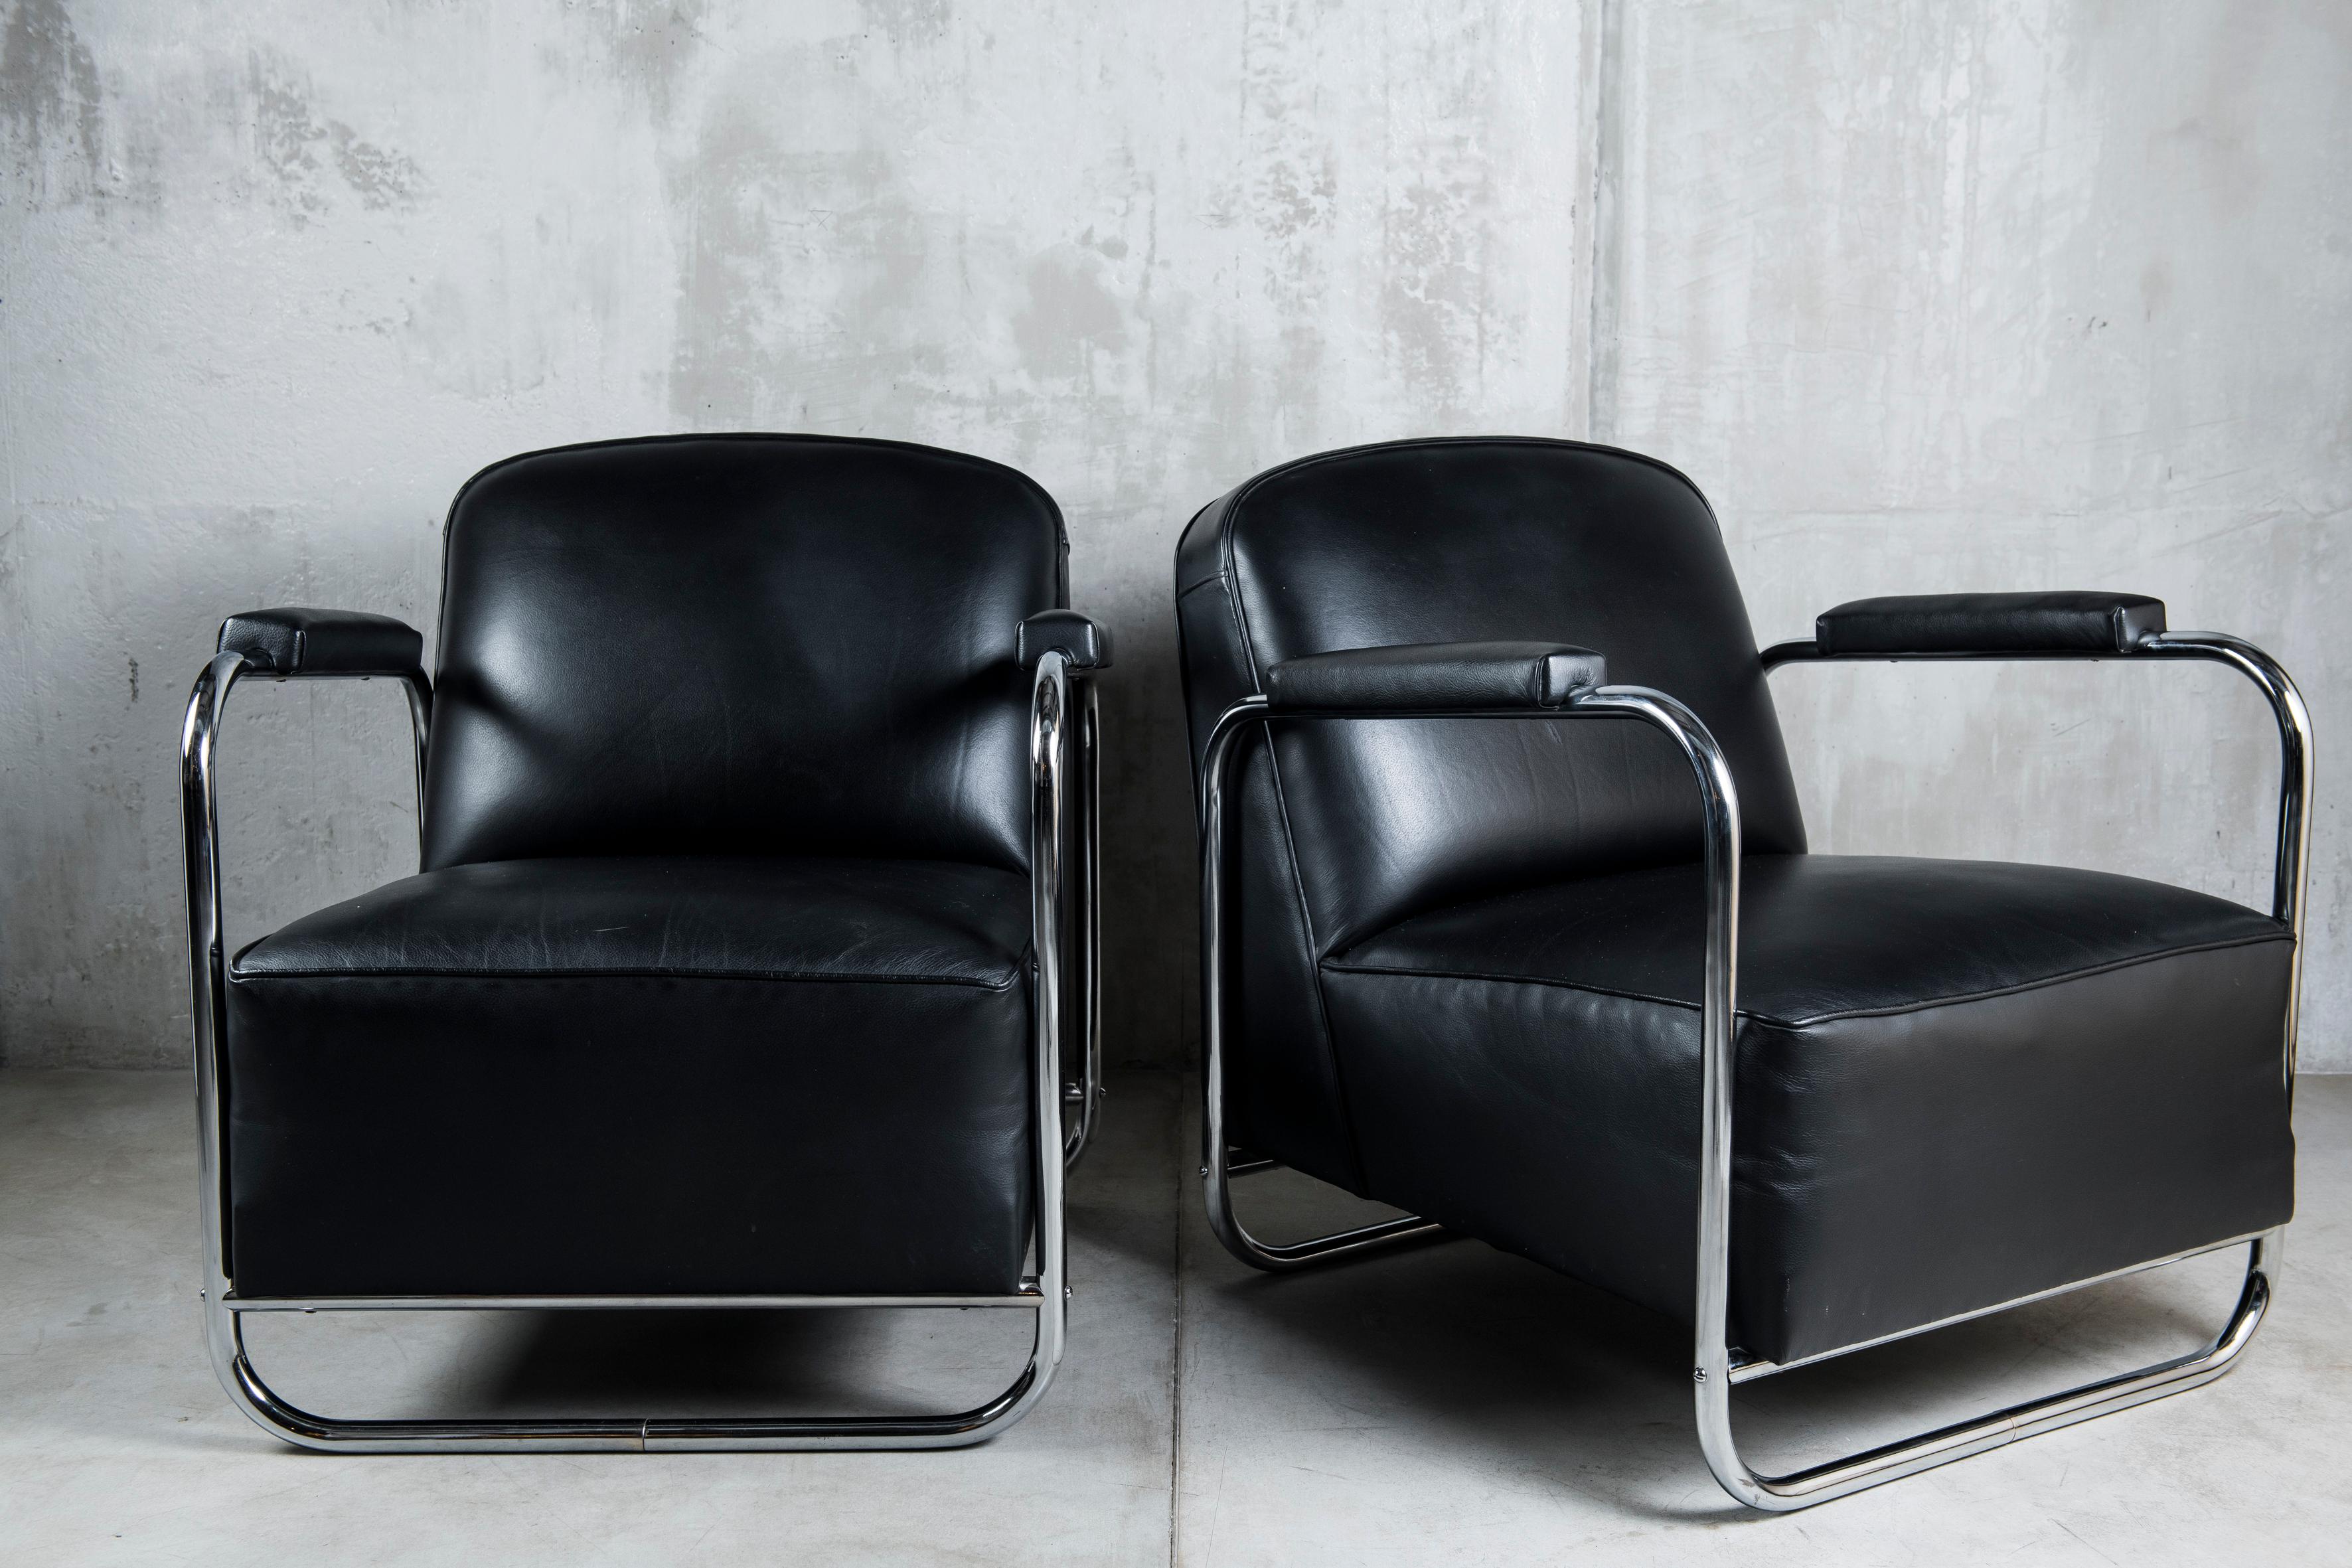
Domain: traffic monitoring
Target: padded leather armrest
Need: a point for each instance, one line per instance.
(1086, 644)
(295, 641)
(1990, 622)
(1435, 676)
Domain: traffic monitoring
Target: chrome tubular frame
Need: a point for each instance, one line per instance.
(1218, 1161)
(1060, 830)
(1084, 1092)
(1718, 1367)
(2290, 868)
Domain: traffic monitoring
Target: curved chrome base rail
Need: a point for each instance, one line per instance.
(225, 1334)
(1909, 1456)
(1280, 1259)
(1030, 1296)
(1332, 1248)
(1749, 1371)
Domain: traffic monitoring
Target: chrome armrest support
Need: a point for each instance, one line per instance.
(2291, 862)
(1066, 867)
(207, 956)
(207, 985)
(1091, 1088)
(224, 671)
(1055, 817)
(1722, 856)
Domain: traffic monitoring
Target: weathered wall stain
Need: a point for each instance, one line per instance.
(299, 147)
(50, 99)
(907, 22)
(646, 43)
(1068, 315)
(1946, 295)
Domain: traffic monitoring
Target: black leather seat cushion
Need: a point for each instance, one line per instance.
(1957, 1083)
(651, 1075)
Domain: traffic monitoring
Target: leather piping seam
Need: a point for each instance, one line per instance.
(1234, 500)
(1769, 1021)
(777, 976)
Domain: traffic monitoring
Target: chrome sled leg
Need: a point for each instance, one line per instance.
(224, 1335)
(1892, 1461)
(1217, 1164)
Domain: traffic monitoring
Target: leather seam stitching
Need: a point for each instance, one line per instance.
(1769, 1021)
(1233, 504)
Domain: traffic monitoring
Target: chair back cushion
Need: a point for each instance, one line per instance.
(738, 645)
(1486, 540)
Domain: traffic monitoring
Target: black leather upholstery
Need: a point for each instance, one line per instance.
(608, 1075)
(1434, 675)
(750, 644)
(1485, 539)
(717, 979)
(1989, 623)
(1475, 540)
(922, 922)
(1824, 936)
(1078, 639)
(1466, 955)
(1958, 1083)
(291, 641)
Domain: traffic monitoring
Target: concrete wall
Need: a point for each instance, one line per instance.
(1958, 295)
(1926, 296)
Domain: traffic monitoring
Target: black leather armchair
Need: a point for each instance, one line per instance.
(1543, 960)
(751, 958)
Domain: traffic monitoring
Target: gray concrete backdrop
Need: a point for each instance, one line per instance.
(1943, 294)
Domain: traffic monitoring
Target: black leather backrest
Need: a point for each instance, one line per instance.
(739, 645)
(1480, 540)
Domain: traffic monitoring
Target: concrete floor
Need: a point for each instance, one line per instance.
(1448, 1405)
